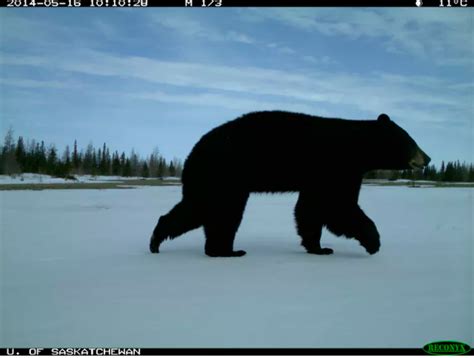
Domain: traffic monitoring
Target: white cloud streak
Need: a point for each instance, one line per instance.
(187, 25)
(35, 84)
(225, 100)
(190, 26)
(425, 98)
(423, 33)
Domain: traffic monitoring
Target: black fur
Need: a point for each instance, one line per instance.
(323, 159)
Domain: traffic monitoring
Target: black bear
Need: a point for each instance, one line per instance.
(249, 155)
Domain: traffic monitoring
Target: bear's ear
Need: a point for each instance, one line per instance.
(383, 118)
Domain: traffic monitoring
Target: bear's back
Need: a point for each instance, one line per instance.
(257, 130)
(259, 148)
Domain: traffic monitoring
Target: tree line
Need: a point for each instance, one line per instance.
(18, 156)
(454, 171)
(34, 157)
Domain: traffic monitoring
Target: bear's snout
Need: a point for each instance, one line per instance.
(427, 158)
(419, 160)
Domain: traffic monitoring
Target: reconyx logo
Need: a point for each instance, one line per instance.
(446, 348)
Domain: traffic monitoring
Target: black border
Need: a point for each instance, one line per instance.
(245, 351)
(264, 351)
(137, 4)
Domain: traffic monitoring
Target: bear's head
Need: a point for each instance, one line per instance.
(396, 149)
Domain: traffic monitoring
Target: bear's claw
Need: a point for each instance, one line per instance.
(154, 245)
(237, 253)
(322, 251)
(372, 250)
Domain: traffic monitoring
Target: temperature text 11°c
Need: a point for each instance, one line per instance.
(450, 3)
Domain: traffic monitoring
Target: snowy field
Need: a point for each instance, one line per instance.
(76, 271)
(33, 178)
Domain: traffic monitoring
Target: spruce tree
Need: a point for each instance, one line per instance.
(20, 153)
(108, 162)
(94, 162)
(42, 159)
(441, 171)
(161, 167)
(449, 172)
(30, 157)
(127, 169)
(8, 144)
(75, 158)
(51, 161)
(122, 161)
(171, 169)
(178, 167)
(103, 167)
(9, 162)
(154, 162)
(88, 159)
(135, 168)
(471, 173)
(116, 169)
(145, 172)
(66, 162)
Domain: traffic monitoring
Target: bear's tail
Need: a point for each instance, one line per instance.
(182, 218)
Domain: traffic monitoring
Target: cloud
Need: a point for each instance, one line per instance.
(225, 100)
(183, 24)
(186, 25)
(422, 97)
(423, 33)
(35, 84)
(105, 28)
(239, 37)
(192, 26)
(324, 60)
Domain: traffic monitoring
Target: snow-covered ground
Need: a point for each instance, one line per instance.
(419, 183)
(32, 178)
(76, 271)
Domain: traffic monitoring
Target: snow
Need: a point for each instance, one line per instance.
(32, 178)
(420, 183)
(76, 271)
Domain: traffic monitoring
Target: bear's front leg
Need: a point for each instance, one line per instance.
(353, 223)
(313, 245)
(367, 234)
(223, 215)
(309, 226)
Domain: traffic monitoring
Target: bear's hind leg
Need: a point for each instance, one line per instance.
(181, 219)
(222, 221)
(309, 225)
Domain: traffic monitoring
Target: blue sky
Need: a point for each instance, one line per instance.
(162, 77)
